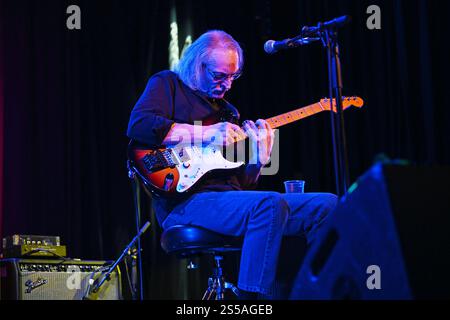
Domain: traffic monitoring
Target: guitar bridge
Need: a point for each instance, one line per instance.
(158, 160)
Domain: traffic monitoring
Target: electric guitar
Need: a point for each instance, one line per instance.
(169, 170)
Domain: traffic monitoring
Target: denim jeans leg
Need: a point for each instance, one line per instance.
(308, 211)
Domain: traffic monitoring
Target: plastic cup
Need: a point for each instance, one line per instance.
(294, 186)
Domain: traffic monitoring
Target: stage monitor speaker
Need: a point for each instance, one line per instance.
(388, 239)
(38, 279)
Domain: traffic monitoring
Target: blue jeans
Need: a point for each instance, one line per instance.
(263, 218)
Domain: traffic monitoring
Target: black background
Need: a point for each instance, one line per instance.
(68, 95)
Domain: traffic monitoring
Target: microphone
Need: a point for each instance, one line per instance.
(272, 46)
(308, 35)
(337, 22)
(332, 24)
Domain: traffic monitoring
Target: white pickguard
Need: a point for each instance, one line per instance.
(201, 160)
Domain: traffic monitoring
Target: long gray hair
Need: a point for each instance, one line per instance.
(190, 66)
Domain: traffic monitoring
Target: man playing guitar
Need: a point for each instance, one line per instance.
(224, 202)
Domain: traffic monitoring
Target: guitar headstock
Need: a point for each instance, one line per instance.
(346, 103)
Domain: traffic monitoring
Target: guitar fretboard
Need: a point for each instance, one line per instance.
(295, 115)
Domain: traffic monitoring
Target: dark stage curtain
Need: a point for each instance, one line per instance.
(1, 131)
(67, 96)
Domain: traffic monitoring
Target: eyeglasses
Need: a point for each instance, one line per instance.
(220, 76)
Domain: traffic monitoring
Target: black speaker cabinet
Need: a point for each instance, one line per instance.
(388, 238)
(38, 279)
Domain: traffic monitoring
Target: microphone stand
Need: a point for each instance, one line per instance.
(328, 34)
(136, 262)
(98, 283)
(337, 119)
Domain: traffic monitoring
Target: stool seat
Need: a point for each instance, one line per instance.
(185, 240)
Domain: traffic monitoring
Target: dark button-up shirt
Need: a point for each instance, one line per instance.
(167, 100)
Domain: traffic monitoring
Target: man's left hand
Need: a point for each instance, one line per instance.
(261, 137)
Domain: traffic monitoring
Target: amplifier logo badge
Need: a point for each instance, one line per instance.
(31, 285)
(73, 282)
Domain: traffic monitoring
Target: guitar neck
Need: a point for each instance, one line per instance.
(295, 115)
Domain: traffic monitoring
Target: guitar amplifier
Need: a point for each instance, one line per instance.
(60, 279)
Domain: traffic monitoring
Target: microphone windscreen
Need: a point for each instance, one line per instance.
(268, 47)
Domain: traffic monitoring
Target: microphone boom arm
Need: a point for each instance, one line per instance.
(97, 285)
